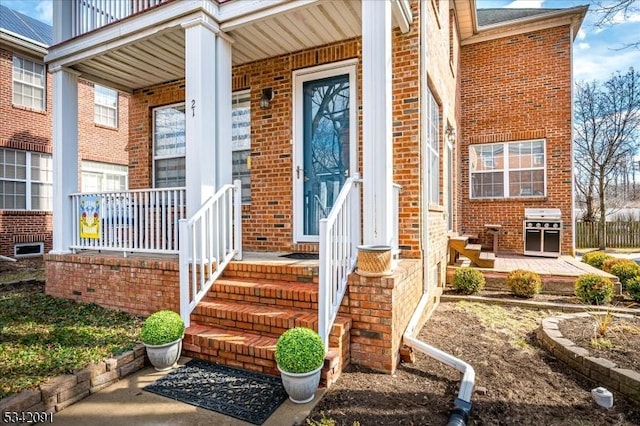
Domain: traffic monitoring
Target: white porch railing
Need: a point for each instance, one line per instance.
(339, 240)
(88, 15)
(144, 220)
(208, 242)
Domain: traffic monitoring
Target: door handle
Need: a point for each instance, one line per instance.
(298, 170)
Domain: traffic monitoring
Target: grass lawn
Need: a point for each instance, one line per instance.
(41, 337)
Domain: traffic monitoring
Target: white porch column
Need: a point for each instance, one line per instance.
(62, 21)
(377, 141)
(200, 111)
(223, 100)
(65, 156)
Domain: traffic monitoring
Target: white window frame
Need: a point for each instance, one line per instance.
(536, 157)
(242, 97)
(433, 148)
(98, 105)
(28, 181)
(15, 80)
(104, 170)
(155, 157)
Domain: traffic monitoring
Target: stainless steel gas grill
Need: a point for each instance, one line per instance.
(542, 232)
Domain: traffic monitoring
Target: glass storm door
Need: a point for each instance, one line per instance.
(324, 148)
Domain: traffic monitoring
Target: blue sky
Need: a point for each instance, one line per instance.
(595, 55)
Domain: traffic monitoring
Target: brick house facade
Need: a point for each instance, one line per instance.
(449, 85)
(28, 129)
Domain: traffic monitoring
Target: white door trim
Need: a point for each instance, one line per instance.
(299, 78)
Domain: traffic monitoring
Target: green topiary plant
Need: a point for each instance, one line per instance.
(594, 289)
(162, 327)
(633, 288)
(524, 283)
(595, 258)
(299, 350)
(625, 271)
(468, 280)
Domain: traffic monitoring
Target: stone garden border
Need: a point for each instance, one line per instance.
(600, 370)
(62, 391)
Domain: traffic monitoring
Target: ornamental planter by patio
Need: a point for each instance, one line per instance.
(162, 334)
(300, 356)
(374, 261)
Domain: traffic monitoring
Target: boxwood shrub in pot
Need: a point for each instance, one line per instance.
(162, 334)
(300, 356)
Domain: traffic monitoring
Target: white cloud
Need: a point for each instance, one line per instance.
(582, 34)
(525, 4)
(44, 10)
(620, 18)
(600, 64)
(583, 46)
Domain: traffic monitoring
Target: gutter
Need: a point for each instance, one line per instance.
(462, 404)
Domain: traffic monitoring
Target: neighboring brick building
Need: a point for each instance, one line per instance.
(25, 136)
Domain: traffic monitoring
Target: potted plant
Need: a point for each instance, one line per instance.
(299, 356)
(162, 334)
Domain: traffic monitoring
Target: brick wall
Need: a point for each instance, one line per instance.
(518, 88)
(30, 130)
(135, 285)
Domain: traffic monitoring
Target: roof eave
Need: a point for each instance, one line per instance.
(573, 16)
(22, 43)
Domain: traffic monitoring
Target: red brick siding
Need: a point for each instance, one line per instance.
(30, 130)
(518, 88)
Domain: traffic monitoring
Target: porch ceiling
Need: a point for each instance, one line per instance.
(160, 57)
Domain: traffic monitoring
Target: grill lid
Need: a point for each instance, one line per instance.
(542, 214)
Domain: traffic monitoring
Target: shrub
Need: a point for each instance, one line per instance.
(633, 288)
(162, 327)
(625, 271)
(594, 289)
(595, 258)
(299, 350)
(468, 280)
(611, 261)
(524, 283)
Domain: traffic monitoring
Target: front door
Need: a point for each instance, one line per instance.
(324, 143)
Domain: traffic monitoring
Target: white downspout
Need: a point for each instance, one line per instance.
(462, 404)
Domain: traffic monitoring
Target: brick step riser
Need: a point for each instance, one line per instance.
(271, 326)
(307, 301)
(275, 275)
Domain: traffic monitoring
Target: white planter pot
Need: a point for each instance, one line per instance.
(164, 357)
(301, 387)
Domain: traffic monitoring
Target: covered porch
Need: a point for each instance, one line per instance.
(196, 215)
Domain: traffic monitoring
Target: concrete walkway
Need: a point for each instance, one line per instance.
(126, 404)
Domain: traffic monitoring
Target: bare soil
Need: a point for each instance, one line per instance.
(517, 382)
(24, 273)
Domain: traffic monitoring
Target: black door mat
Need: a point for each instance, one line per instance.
(245, 395)
(301, 256)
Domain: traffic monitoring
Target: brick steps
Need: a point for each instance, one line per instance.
(250, 306)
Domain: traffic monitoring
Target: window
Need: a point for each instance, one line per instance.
(241, 141)
(105, 106)
(26, 180)
(97, 177)
(512, 169)
(28, 84)
(169, 148)
(433, 147)
(28, 249)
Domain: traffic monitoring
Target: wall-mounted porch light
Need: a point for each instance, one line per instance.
(450, 133)
(267, 96)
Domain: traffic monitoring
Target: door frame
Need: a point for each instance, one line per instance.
(299, 77)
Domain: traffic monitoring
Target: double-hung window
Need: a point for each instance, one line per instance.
(241, 141)
(97, 177)
(28, 84)
(105, 106)
(433, 148)
(26, 180)
(169, 149)
(507, 170)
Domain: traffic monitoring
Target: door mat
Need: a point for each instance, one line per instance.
(301, 256)
(245, 395)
